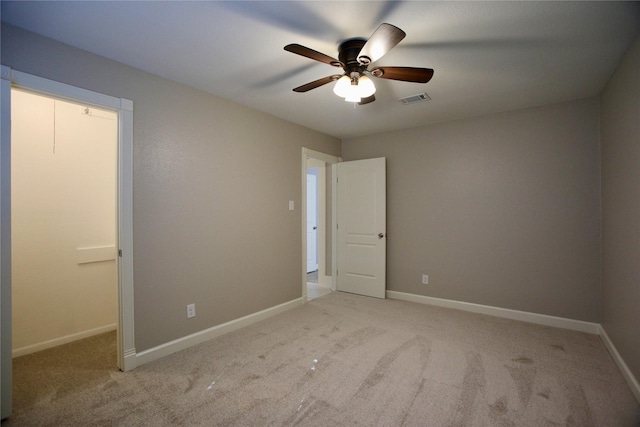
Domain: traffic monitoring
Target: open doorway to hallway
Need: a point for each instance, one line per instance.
(317, 251)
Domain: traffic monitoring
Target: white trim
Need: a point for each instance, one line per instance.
(124, 109)
(33, 348)
(183, 343)
(63, 91)
(126, 333)
(540, 319)
(303, 213)
(334, 225)
(5, 246)
(327, 158)
(624, 369)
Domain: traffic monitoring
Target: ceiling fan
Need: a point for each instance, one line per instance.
(354, 56)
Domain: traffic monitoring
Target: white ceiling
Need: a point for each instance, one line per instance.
(488, 56)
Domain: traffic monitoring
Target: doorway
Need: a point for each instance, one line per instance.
(318, 283)
(312, 220)
(123, 108)
(365, 209)
(317, 214)
(63, 217)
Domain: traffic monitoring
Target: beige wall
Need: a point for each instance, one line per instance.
(502, 210)
(212, 181)
(63, 198)
(621, 208)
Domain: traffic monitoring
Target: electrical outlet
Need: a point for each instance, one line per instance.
(425, 279)
(191, 311)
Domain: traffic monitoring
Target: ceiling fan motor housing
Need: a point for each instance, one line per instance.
(348, 55)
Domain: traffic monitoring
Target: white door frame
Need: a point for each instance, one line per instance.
(124, 109)
(330, 159)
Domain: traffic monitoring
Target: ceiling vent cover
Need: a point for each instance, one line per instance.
(421, 97)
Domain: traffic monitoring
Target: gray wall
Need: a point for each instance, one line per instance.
(502, 210)
(212, 181)
(621, 208)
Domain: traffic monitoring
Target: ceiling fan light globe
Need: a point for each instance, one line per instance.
(353, 97)
(342, 86)
(366, 87)
(353, 93)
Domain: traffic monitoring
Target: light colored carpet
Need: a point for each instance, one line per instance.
(343, 360)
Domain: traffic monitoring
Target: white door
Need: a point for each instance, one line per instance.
(361, 205)
(312, 223)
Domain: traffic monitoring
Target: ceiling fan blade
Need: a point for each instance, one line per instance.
(317, 83)
(381, 41)
(367, 100)
(405, 74)
(312, 54)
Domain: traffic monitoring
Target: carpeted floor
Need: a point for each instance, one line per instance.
(339, 360)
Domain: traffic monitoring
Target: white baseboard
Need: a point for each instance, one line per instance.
(541, 319)
(183, 343)
(33, 348)
(129, 361)
(624, 369)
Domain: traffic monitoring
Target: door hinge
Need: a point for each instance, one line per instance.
(120, 253)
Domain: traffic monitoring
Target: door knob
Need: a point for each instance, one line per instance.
(380, 235)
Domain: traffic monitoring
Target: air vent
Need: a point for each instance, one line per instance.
(421, 97)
